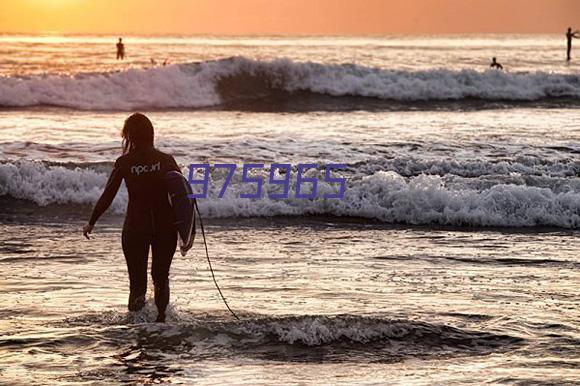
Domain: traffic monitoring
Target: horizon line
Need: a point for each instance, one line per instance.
(292, 35)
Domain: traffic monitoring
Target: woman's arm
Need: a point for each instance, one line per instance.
(106, 199)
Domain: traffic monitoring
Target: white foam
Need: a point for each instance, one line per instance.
(424, 199)
(159, 87)
(196, 85)
(315, 331)
(521, 165)
(44, 185)
(383, 196)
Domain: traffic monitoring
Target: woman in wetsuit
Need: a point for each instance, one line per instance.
(149, 221)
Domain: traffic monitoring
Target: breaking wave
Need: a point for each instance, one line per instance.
(300, 336)
(383, 195)
(212, 83)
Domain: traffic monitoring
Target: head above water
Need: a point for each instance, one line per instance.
(137, 133)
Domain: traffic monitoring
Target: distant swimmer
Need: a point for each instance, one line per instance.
(120, 49)
(495, 64)
(569, 36)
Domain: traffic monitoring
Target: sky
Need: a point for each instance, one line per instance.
(288, 17)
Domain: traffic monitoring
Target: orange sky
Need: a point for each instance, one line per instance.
(336, 17)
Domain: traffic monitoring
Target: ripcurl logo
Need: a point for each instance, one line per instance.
(138, 169)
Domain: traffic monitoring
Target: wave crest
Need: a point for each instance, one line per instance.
(211, 83)
(255, 333)
(384, 196)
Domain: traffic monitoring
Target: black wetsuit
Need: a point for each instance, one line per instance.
(149, 221)
(569, 37)
(120, 51)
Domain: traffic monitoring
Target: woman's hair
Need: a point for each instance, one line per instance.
(137, 133)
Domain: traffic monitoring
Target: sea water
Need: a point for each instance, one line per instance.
(452, 257)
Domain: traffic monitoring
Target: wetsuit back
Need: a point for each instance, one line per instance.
(149, 210)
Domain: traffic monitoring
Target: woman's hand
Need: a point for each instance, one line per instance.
(87, 229)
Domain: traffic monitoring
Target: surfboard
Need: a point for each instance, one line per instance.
(183, 207)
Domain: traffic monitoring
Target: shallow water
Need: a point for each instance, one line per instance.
(336, 303)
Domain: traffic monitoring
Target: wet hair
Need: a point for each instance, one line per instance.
(137, 133)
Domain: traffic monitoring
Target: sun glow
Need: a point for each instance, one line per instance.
(287, 17)
(55, 2)
(51, 4)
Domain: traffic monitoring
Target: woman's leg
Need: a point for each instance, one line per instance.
(163, 248)
(136, 251)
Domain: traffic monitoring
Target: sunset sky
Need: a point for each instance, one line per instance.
(295, 17)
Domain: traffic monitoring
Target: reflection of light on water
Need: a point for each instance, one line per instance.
(316, 301)
(319, 297)
(56, 53)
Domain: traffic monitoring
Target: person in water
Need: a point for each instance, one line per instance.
(120, 49)
(149, 221)
(495, 64)
(569, 36)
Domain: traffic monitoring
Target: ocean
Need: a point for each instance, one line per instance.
(452, 257)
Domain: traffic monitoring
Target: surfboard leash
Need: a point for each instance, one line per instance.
(209, 262)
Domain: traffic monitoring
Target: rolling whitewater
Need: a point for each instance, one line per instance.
(452, 257)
